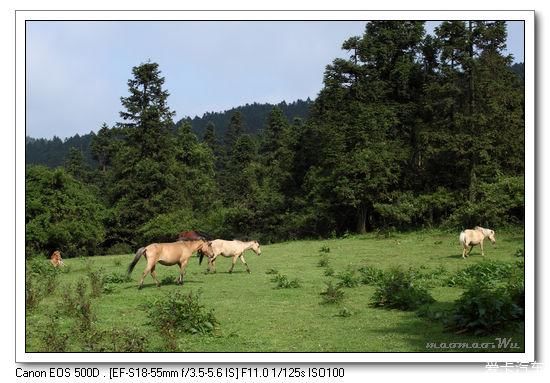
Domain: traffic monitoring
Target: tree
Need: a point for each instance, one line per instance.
(61, 213)
(143, 178)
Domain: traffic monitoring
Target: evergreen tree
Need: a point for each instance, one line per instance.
(143, 180)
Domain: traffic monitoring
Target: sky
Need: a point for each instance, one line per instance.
(76, 71)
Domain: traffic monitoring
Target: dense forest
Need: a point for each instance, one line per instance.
(53, 152)
(410, 131)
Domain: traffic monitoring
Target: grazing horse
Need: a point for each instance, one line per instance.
(195, 235)
(470, 238)
(166, 254)
(233, 249)
(56, 259)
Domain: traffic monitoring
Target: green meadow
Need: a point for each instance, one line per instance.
(254, 315)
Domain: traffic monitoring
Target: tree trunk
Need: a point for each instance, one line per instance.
(362, 219)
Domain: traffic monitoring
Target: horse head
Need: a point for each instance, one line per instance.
(256, 248)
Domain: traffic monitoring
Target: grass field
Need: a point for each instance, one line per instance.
(254, 315)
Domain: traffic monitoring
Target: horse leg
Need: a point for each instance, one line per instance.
(154, 275)
(233, 261)
(469, 251)
(182, 270)
(481, 245)
(145, 272)
(246, 264)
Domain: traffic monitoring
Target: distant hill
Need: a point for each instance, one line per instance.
(519, 69)
(52, 152)
(254, 117)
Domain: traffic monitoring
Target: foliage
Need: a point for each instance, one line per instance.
(97, 282)
(485, 309)
(53, 339)
(115, 340)
(487, 271)
(399, 289)
(282, 282)
(332, 294)
(370, 275)
(61, 214)
(323, 262)
(183, 313)
(117, 277)
(347, 278)
(78, 304)
(41, 279)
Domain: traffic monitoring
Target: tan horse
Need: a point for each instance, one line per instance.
(233, 249)
(167, 254)
(56, 259)
(470, 238)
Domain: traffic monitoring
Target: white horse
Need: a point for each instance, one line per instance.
(233, 249)
(470, 238)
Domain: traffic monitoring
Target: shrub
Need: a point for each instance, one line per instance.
(484, 309)
(77, 303)
(283, 282)
(399, 289)
(347, 279)
(96, 282)
(332, 294)
(117, 277)
(370, 275)
(323, 262)
(487, 271)
(115, 340)
(52, 339)
(329, 271)
(40, 280)
(182, 313)
(324, 249)
(344, 312)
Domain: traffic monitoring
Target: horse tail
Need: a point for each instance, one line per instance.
(462, 238)
(141, 251)
(201, 256)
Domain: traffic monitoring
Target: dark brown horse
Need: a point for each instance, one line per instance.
(195, 235)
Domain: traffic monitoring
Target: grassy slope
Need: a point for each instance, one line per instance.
(255, 316)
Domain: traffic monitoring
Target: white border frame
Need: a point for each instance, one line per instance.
(337, 357)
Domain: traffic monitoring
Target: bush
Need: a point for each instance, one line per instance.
(332, 294)
(40, 280)
(115, 340)
(77, 303)
(52, 339)
(347, 279)
(117, 277)
(487, 271)
(484, 309)
(399, 289)
(284, 283)
(323, 262)
(96, 282)
(370, 275)
(181, 313)
(324, 249)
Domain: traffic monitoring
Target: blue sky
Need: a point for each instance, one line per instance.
(77, 71)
